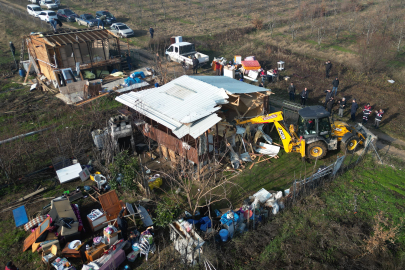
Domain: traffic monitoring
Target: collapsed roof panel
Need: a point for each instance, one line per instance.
(230, 85)
(185, 105)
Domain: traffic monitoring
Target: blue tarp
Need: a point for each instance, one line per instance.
(20, 216)
(225, 220)
(138, 74)
(130, 81)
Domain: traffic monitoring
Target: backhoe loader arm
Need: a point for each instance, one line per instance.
(275, 118)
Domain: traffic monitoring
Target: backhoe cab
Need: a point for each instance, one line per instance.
(315, 133)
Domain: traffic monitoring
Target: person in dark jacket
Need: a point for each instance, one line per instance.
(129, 61)
(328, 67)
(378, 118)
(328, 96)
(366, 113)
(11, 266)
(329, 106)
(342, 106)
(291, 91)
(53, 23)
(195, 65)
(353, 110)
(123, 224)
(151, 32)
(335, 85)
(304, 96)
(12, 48)
(101, 21)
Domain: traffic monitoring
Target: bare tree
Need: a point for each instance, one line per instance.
(339, 21)
(321, 34)
(369, 28)
(164, 8)
(192, 189)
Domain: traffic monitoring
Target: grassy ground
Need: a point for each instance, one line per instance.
(355, 222)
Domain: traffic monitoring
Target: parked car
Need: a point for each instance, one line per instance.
(66, 15)
(49, 4)
(109, 18)
(33, 1)
(185, 51)
(47, 15)
(86, 19)
(34, 10)
(122, 30)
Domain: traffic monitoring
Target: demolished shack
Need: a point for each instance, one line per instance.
(67, 54)
(184, 115)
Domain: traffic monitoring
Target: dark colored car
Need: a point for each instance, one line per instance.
(66, 15)
(109, 18)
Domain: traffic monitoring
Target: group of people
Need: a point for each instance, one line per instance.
(330, 100)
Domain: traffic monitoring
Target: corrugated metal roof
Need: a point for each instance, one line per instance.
(185, 105)
(231, 85)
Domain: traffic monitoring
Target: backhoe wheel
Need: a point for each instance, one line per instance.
(350, 145)
(316, 150)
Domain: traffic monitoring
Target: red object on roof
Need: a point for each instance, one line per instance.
(251, 65)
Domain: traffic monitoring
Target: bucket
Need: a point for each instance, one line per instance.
(21, 72)
(248, 214)
(224, 235)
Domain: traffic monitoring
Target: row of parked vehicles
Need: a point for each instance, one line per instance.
(68, 15)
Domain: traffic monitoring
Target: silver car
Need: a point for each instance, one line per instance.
(122, 30)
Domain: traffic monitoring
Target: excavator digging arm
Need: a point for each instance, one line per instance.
(290, 140)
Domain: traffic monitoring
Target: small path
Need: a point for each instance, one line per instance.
(389, 145)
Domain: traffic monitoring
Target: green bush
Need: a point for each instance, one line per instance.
(124, 171)
(166, 212)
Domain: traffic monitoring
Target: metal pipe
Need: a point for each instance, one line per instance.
(23, 135)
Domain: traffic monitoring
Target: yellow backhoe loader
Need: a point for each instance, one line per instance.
(315, 133)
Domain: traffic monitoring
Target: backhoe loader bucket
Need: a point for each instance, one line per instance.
(368, 135)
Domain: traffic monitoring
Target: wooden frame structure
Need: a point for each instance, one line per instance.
(93, 49)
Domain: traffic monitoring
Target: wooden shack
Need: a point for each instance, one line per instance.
(86, 49)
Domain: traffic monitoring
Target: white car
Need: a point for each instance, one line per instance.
(33, 1)
(49, 4)
(122, 30)
(34, 10)
(47, 15)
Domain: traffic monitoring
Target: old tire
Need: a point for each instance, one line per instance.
(316, 150)
(350, 145)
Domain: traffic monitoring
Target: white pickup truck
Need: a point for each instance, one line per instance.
(185, 51)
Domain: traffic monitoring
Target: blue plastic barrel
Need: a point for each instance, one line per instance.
(21, 72)
(224, 235)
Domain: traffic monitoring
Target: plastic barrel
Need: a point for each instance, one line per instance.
(21, 72)
(224, 235)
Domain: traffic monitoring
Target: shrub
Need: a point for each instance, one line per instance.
(124, 171)
(257, 23)
(166, 212)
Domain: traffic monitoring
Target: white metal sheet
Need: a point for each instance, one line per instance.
(69, 173)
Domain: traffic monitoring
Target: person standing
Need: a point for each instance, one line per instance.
(328, 67)
(342, 106)
(123, 224)
(329, 106)
(335, 85)
(53, 23)
(12, 48)
(151, 32)
(328, 96)
(101, 21)
(304, 96)
(378, 118)
(353, 110)
(129, 62)
(291, 92)
(366, 113)
(218, 68)
(184, 66)
(196, 62)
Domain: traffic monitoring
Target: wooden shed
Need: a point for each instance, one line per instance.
(88, 49)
